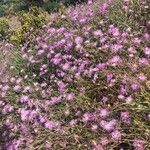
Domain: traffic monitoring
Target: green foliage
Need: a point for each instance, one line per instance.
(4, 28)
(31, 21)
(52, 6)
(9, 7)
(17, 37)
(70, 2)
(35, 18)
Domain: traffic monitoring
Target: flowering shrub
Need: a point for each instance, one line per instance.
(84, 85)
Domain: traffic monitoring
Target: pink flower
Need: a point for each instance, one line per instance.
(50, 125)
(142, 77)
(132, 50)
(66, 66)
(17, 88)
(125, 117)
(90, 1)
(70, 97)
(104, 141)
(135, 86)
(129, 99)
(138, 144)
(114, 31)
(108, 125)
(94, 127)
(24, 98)
(86, 117)
(103, 113)
(104, 8)
(116, 135)
(147, 51)
(24, 114)
(104, 99)
(78, 40)
(98, 33)
(136, 40)
(73, 122)
(82, 21)
(101, 66)
(116, 48)
(116, 60)
(143, 61)
(147, 36)
(67, 112)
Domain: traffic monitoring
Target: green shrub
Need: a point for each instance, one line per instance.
(35, 18)
(72, 2)
(17, 37)
(51, 6)
(2, 11)
(4, 28)
(31, 22)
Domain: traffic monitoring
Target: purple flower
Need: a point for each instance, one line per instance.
(104, 99)
(73, 122)
(116, 47)
(82, 21)
(143, 61)
(86, 117)
(124, 90)
(78, 40)
(61, 86)
(98, 147)
(109, 77)
(129, 99)
(136, 40)
(54, 100)
(148, 116)
(147, 51)
(135, 86)
(125, 117)
(17, 88)
(116, 135)
(138, 144)
(115, 60)
(104, 141)
(90, 1)
(14, 145)
(147, 36)
(108, 125)
(70, 97)
(104, 8)
(120, 96)
(94, 127)
(103, 113)
(50, 125)
(114, 31)
(66, 66)
(98, 33)
(24, 114)
(101, 66)
(8, 108)
(142, 77)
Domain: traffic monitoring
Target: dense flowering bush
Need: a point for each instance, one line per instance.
(81, 86)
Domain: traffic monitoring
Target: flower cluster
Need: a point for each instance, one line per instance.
(81, 87)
